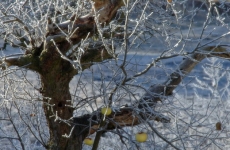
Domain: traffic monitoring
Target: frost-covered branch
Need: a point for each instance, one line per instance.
(80, 27)
(127, 116)
(21, 60)
(123, 118)
(158, 92)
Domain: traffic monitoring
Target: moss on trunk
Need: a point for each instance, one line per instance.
(56, 74)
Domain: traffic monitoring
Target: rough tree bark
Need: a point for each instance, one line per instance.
(56, 73)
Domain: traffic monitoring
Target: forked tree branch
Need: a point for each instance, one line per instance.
(81, 27)
(158, 92)
(127, 116)
(103, 10)
(90, 56)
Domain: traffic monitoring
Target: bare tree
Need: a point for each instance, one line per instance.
(85, 55)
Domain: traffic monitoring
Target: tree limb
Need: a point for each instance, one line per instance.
(128, 116)
(21, 60)
(104, 11)
(158, 92)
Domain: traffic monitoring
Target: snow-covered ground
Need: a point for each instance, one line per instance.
(197, 104)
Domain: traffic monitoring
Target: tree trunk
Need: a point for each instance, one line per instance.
(56, 74)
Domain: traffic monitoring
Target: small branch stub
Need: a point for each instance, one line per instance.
(218, 126)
